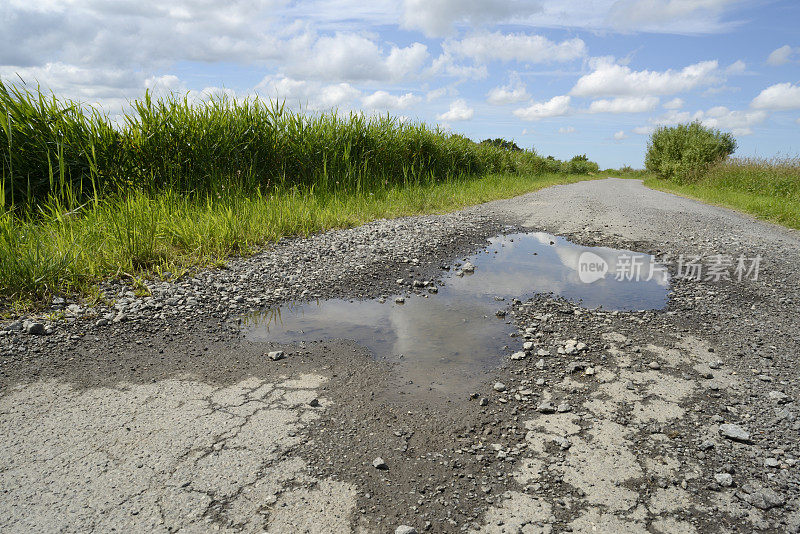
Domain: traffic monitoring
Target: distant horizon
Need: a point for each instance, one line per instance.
(549, 75)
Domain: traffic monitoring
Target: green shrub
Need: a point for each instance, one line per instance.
(684, 152)
(580, 164)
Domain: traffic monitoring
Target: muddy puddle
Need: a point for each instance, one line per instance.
(447, 340)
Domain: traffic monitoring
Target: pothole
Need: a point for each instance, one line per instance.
(446, 336)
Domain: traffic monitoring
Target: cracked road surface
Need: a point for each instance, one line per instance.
(173, 455)
(672, 421)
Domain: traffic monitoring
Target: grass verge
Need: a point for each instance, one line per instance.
(66, 251)
(767, 189)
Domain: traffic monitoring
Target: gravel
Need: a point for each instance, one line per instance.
(726, 353)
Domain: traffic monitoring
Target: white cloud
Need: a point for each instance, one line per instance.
(738, 122)
(212, 92)
(437, 18)
(384, 100)
(643, 130)
(611, 79)
(435, 94)
(484, 47)
(459, 111)
(508, 94)
(620, 135)
(737, 67)
(97, 86)
(778, 97)
(348, 56)
(165, 83)
(404, 61)
(335, 95)
(654, 15)
(144, 32)
(627, 104)
(675, 103)
(566, 130)
(447, 65)
(312, 95)
(782, 55)
(555, 107)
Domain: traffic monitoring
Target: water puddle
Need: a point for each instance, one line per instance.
(448, 340)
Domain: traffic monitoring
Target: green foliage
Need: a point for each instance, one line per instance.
(53, 147)
(776, 177)
(580, 164)
(56, 252)
(766, 188)
(684, 152)
(502, 143)
(175, 184)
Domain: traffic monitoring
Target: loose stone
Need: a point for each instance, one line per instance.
(378, 463)
(734, 432)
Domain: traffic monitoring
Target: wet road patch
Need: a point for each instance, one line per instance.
(446, 335)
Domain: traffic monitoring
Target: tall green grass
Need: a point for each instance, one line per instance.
(175, 184)
(57, 252)
(766, 188)
(54, 147)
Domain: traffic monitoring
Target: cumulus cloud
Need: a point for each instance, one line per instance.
(352, 57)
(484, 47)
(780, 96)
(627, 104)
(384, 100)
(447, 65)
(307, 94)
(737, 67)
(612, 79)
(508, 94)
(144, 32)
(167, 83)
(459, 111)
(438, 18)
(675, 103)
(566, 130)
(106, 87)
(620, 135)
(435, 94)
(782, 55)
(555, 107)
(738, 122)
(643, 130)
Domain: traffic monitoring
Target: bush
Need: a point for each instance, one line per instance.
(581, 165)
(684, 152)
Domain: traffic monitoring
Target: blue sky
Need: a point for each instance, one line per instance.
(563, 76)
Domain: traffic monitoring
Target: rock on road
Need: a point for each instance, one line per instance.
(155, 414)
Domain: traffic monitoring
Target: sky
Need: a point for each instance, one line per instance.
(564, 77)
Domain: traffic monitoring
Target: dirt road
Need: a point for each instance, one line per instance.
(157, 412)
